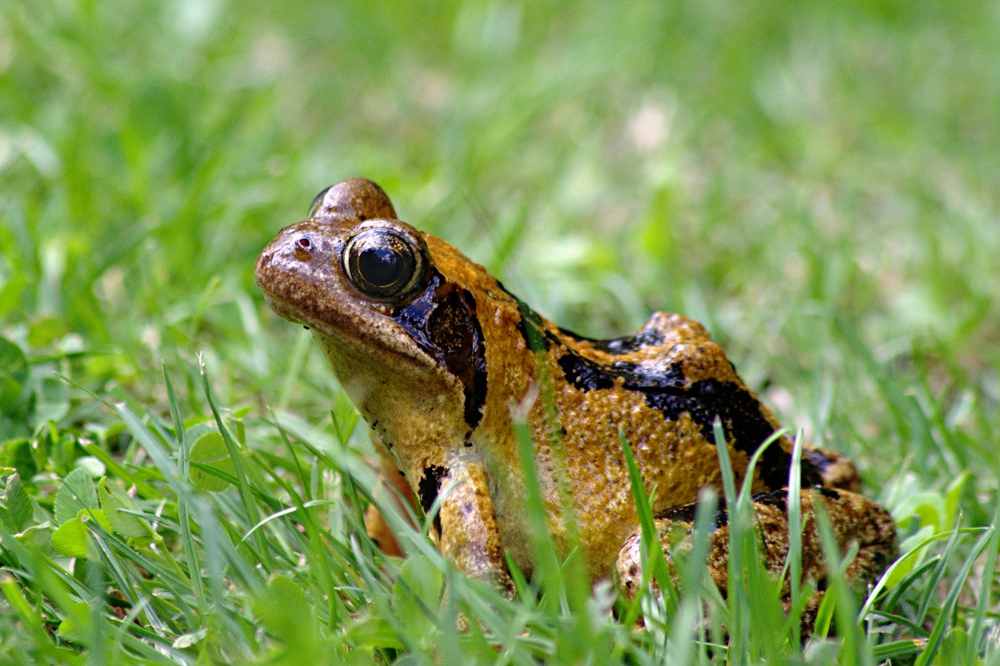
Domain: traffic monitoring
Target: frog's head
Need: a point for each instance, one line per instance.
(388, 305)
(345, 269)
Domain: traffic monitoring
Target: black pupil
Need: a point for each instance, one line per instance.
(381, 266)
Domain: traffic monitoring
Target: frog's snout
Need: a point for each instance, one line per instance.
(263, 270)
(298, 272)
(278, 260)
(287, 254)
(279, 271)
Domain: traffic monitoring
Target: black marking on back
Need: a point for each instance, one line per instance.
(666, 390)
(685, 513)
(822, 461)
(428, 489)
(649, 336)
(579, 338)
(829, 493)
(776, 498)
(443, 323)
(703, 400)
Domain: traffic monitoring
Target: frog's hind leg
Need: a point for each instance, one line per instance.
(853, 518)
(392, 489)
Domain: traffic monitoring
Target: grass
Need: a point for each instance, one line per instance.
(816, 183)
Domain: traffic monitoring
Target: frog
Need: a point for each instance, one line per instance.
(443, 362)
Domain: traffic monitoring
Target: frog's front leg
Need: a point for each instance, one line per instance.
(468, 533)
(853, 518)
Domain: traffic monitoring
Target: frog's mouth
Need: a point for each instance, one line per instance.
(285, 311)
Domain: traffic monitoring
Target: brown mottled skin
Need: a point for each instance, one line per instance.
(436, 361)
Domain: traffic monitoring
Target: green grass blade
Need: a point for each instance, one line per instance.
(683, 623)
(547, 568)
(651, 551)
(184, 518)
(853, 652)
(795, 533)
(246, 494)
(936, 573)
(944, 617)
(976, 634)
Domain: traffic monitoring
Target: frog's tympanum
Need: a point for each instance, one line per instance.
(437, 355)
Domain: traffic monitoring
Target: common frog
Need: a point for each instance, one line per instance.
(436, 353)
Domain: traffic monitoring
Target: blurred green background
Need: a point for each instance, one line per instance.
(816, 182)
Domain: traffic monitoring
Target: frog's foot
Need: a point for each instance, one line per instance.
(836, 469)
(853, 518)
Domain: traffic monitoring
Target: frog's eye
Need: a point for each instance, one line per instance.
(317, 202)
(383, 264)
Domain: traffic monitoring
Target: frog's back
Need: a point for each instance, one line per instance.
(674, 369)
(666, 345)
(663, 389)
(675, 364)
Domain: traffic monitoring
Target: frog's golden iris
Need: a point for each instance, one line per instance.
(383, 262)
(435, 353)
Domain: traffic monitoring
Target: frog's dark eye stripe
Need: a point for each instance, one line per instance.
(383, 263)
(442, 321)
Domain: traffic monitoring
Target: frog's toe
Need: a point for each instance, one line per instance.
(628, 565)
(673, 529)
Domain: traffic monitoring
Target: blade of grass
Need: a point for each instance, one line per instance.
(937, 573)
(682, 634)
(897, 592)
(547, 569)
(114, 468)
(246, 494)
(744, 563)
(853, 651)
(976, 635)
(322, 568)
(651, 551)
(379, 598)
(736, 598)
(944, 617)
(795, 533)
(899, 649)
(183, 514)
(575, 584)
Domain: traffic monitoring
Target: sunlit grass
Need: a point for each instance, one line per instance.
(816, 183)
